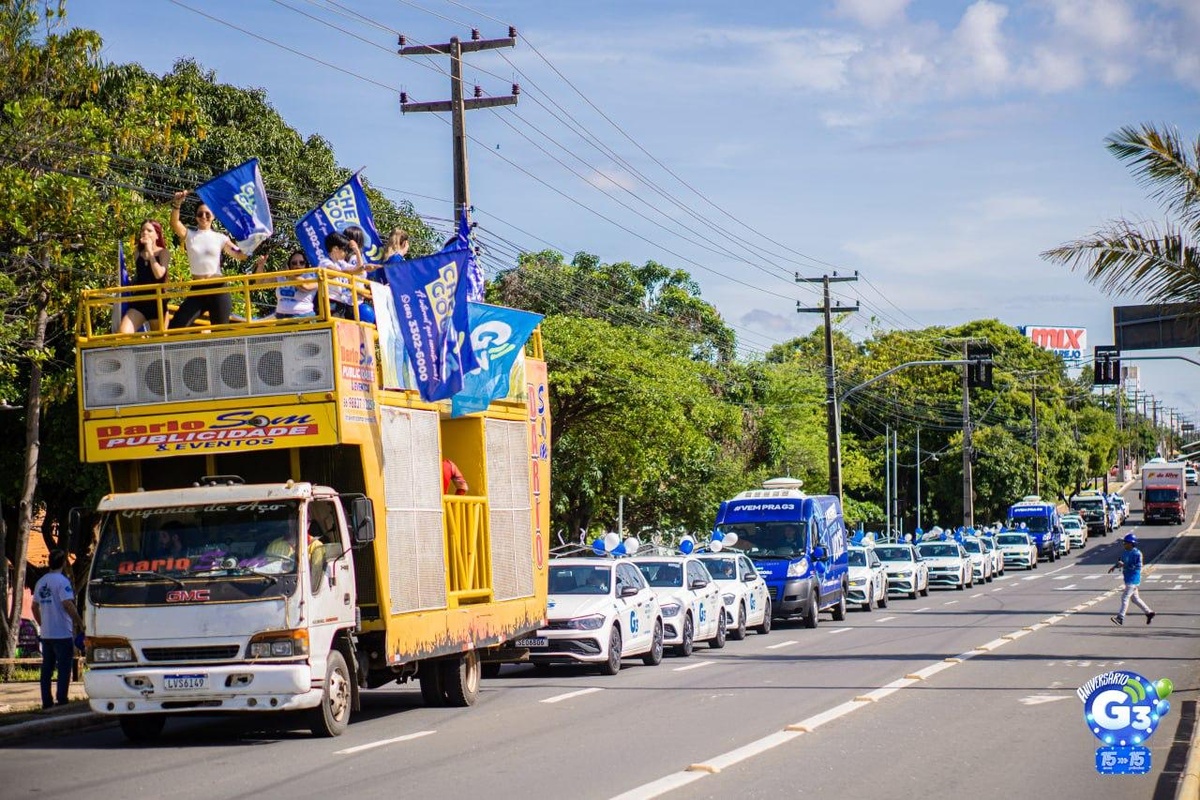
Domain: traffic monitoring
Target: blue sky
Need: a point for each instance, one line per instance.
(935, 146)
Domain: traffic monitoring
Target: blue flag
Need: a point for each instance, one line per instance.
(473, 271)
(346, 207)
(498, 336)
(431, 307)
(239, 200)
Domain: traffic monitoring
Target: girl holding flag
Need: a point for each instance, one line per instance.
(204, 248)
(150, 269)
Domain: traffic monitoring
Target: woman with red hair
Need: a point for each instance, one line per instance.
(151, 264)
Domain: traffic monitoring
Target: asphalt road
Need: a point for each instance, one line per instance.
(1002, 720)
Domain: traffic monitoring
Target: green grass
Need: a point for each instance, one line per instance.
(22, 675)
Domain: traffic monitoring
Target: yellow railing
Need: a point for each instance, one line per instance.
(97, 306)
(468, 550)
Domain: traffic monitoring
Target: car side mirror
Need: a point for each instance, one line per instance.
(628, 591)
(749, 577)
(699, 583)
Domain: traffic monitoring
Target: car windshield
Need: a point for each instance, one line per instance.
(894, 553)
(1012, 538)
(972, 547)
(1072, 524)
(769, 539)
(722, 569)
(1038, 524)
(580, 579)
(939, 550)
(858, 558)
(667, 574)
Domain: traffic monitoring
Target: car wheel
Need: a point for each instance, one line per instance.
(839, 611)
(870, 597)
(655, 656)
(925, 591)
(689, 637)
(883, 598)
(718, 641)
(765, 627)
(811, 614)
(613, 665)
(916, 592)
(739, 633)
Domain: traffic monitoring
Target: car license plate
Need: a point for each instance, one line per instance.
(533, 641)
(185, 682)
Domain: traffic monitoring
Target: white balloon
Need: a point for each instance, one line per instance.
(716, 547)
(632, 545)
(730, 539)
(611, 540)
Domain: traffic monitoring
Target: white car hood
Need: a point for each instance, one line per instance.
(569, 606)
(672, 594)
(943, 561)
(860, 573)
(1015, 546)
(898, 567)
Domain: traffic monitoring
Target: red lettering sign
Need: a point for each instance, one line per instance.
(188, 596)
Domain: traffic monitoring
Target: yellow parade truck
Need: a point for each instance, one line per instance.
(278, 536)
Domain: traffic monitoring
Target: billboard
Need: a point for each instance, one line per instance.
(1068, 342)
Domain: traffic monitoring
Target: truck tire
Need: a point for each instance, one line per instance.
(811, 614)
(333, 715)
(461, 675)
(491, 669)
(142, 728)
(432, 691)
(839, 611)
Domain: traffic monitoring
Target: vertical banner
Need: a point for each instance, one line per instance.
(391, 345)
(538, 401)
(346, 207)
(431, 311)
(239, 200)
(498, 336)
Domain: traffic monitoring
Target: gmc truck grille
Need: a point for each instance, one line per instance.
(220, 652)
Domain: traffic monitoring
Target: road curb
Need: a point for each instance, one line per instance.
(1189, 786)
(75, 723)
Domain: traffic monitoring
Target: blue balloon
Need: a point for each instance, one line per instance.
(598, 547)
(619, 550)
(686, 545)
(366, 312)
(718, 536)
(1163, 708)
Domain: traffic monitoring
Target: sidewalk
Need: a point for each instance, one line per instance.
(21, 714)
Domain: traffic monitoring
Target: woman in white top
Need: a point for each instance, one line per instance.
(345, 256)
(204, 248)
(295, 301)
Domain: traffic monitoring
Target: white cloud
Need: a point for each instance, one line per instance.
(1108, 24)
(872, 13)
(979, 58)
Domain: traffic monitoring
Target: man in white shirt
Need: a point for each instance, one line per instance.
(54, 609)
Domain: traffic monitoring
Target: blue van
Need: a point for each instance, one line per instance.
(1041, 521)
(798, 544)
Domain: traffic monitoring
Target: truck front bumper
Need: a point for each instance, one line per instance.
(137, 689)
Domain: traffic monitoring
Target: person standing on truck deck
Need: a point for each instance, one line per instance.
(54, 609)
(150, 269)
(294, 301)
(452, 474)
(1130, 563)
(344, 256)
(395, 252)
(204, 248)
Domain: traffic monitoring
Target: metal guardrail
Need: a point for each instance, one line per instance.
(468, 550)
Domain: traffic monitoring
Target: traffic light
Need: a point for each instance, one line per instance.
(979, 366)
(1106, 366)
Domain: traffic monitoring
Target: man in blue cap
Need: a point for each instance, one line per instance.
(1130, 563)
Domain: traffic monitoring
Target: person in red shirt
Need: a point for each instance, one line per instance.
(452, 474)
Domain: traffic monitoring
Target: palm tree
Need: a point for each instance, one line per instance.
(1158, 260)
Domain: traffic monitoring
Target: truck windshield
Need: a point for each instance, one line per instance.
(151, 551)
(1162, 495)
(1091, 505)
(1035, 524)
(770, 539)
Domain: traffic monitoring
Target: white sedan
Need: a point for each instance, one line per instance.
(689, 598)
(744, 593)
(981, 560)
(989, 544)
(1019, 550)
(868, 579)
(906, 572)
(599, 611)
(949, 564)
(1075, 530)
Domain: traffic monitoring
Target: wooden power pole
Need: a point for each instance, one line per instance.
(457, 105)
(833, 418)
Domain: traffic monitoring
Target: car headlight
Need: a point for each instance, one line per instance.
(590, 623)
(670, 609)
(279, 644)
(728, 599)
(858, 582)
(797, 569)
(904, 572)
(108, 650)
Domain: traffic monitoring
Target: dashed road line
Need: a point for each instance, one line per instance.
(841, 630)
(884, 619)
(558, 698)
(977, 595)
(949, 602)
(788, 643)
(382, 742)
(697, 665)
(919, 610)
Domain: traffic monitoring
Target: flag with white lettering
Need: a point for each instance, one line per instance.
(431, 309)
(239, 200)
(346, 207)
(498, 336)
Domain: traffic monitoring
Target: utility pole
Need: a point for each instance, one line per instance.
(918, 524)
(456, 105)
(887, 478)
(968, 481)
(1037, 451)
(833, 418)
(1121, 428)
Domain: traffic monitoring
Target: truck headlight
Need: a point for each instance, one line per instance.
(108, 650)
(797, 569)
(278, 644)
(670, 609)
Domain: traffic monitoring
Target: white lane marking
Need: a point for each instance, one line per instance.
(976, 595)
(1064, 588)
(697, 665)
(558, 698)
(382, 742)
(817, 720)
(1031, 578)
(1154, 577)
(1177, 586)
(1092, 577)
(919, 610)
(1038, 699)
(726, 760)
(1185, 577)
(841, 630)
(788, 643)
(998, 588)
(884, 619)
(676, 780)
(1060, 569)
(949, 602)
(1062, 577)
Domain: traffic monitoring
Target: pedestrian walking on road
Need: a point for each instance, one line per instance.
(1130, 563)
(54, 609)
